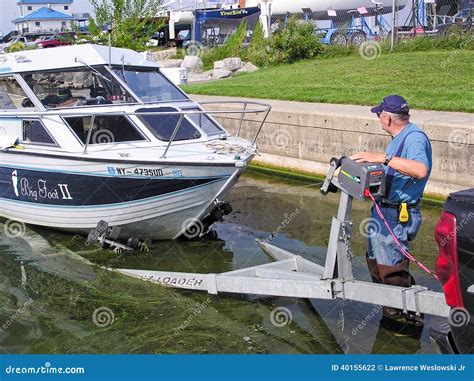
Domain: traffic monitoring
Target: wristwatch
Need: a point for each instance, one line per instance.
(387, 159)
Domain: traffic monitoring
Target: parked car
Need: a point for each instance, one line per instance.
(59, 39)
(43, 38)
(454, 236)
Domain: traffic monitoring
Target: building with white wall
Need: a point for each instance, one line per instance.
(37, 16)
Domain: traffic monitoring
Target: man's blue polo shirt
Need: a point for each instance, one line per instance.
(415, 147)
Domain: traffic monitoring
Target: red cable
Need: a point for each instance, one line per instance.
(404, 251)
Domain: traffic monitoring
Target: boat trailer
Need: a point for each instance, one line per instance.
(293, 276)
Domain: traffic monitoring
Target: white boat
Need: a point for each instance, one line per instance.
(89, 133)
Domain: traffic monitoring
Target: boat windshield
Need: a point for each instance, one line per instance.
(84, 86)
(149, 84)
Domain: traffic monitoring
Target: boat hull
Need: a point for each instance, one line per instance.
(144, 200)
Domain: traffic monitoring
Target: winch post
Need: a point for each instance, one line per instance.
(339, 256)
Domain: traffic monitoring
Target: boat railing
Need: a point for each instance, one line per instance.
(240, 108)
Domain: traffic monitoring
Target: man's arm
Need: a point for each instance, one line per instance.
(406, 167)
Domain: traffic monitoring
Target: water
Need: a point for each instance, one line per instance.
(55, 297)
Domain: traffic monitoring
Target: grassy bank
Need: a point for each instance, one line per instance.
(432, 80)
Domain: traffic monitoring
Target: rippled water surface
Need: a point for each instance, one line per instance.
(56, 296)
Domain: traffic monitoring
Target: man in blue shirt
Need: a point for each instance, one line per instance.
(408, 163)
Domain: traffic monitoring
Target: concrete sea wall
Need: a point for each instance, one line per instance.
(303, 137)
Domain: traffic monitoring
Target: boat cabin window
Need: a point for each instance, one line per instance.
(205, 123)
(77, 87)
(149, 84)
(105, 129)
(162, 126)
(12, 95)
(35, 132)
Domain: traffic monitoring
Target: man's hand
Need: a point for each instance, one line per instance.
(406, 167)
(368, 157)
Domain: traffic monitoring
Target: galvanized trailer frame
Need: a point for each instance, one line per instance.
(294, 276)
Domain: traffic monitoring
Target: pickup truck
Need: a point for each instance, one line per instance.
(14, 40)
(454, 235)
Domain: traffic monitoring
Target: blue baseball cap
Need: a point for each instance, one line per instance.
(394, 104)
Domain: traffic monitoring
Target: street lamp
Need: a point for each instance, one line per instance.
(109, 32)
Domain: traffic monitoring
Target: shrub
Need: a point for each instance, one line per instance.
(258, 51)
(295, 41)
(16, 47)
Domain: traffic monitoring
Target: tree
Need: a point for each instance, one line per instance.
(132, 21)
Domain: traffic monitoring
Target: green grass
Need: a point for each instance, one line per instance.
(431, 80)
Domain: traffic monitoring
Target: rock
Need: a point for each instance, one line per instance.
(195, 77)
(68, 77)
(82, 80)
(248, 68)
(233, 63)
(162, 55)
(39, 76)
(60, 77)
(219, 65)
(192, 63)
(208, 73)
(170, 63)
(221, 73)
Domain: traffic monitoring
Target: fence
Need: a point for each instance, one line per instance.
(350, 26)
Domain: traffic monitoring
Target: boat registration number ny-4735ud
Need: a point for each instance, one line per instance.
(135, 171)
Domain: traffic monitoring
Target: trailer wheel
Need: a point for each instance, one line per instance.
(357, 38)
(338, 39)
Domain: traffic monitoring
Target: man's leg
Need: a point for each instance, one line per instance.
(396, 275)
(392, 267)
(373, 269)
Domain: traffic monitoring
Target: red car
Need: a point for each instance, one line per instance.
(455, 268)
(58, 40)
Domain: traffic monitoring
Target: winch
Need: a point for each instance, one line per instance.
(359, 180)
